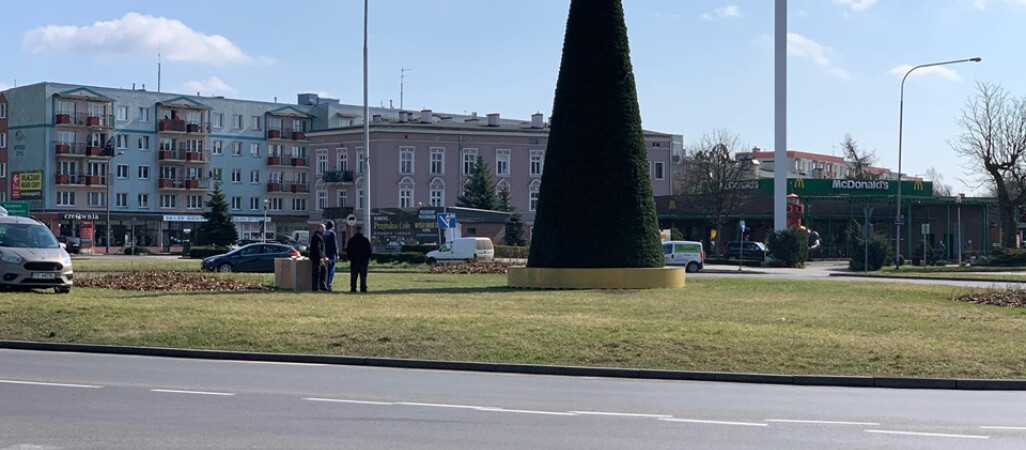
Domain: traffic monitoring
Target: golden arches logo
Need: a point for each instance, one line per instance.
(799, 183)
(918, 185)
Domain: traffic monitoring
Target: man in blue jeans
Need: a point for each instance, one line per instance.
(330, 251)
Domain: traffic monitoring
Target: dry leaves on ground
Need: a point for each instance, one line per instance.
(166, 281)
(1013, 298)
(473, 267)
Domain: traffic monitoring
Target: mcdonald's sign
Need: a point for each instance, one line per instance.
(799, 183)
(918, 185)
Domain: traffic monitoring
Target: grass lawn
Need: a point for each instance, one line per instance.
(713, 324)
(140, 263)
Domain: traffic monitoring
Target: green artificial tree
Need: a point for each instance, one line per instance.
(515, 225)
(480, 191)
(218, 228)
(595, 206)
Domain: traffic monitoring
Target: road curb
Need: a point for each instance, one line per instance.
(532, 369)
(894, 277)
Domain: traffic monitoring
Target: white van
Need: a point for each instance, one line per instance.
(463, 250)
(302, 238)
(684, 253)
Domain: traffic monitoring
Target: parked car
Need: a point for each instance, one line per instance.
(684, 253)
(71, 244)
(746, 250)
(463, 250)
(257, 257)
(31, 257)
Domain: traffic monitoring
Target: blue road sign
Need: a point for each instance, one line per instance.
(446, 220)
(899, 223)
(742, 225)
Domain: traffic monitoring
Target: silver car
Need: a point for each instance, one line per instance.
(31, 257)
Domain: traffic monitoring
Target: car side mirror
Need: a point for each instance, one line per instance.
(63, 245)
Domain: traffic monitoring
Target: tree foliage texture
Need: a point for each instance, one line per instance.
(881, 252)
(861, 160)
(595, 205)
(790, 247)
(515, 225)
(713, 174)
(218, 228)
(993, 139)
(480, 190)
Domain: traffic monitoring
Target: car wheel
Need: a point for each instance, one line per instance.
(225, 268)
(692, 267)
(62, 290)
(431, 261)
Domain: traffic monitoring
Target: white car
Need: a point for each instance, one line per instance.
(689, 254)
(463, 250)
(31, 257)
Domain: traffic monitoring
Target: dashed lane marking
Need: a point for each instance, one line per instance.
(824, 422)
(915, 433)
(718, 422)
(357, 402)
(172, 391)
(619, 414)
(40, 383)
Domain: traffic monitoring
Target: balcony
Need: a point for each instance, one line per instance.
(274, 186)
(93, 180)
(84, 120)
(273, 134)
(298, 136)
(67, 179)
(183, 183)
(171, 154)
(181, 126)
(337, 176)
(296, 162)
(299, 188)
(274, 161)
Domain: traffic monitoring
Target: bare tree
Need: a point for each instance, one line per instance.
(940, 188)
(716, 179)
(861, 160)
(993, 139)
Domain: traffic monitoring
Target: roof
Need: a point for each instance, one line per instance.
(769, 155)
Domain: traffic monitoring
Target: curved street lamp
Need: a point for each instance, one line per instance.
(901, 112)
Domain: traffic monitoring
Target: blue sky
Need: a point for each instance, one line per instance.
(700, 65)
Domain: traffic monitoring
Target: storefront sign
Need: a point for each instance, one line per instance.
(26, 185)
(398, 225)
(248, 219)
(184, 219)
(814, 186)
(16, 208)
(80, 216)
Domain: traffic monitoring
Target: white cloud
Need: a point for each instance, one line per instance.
(727, 12)
(858, 5)
(935, 71)
(209, 86)
(800, 46)
(5, 86)
(982, 4)
(137, 34)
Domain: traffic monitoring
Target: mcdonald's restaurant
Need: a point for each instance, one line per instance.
(833, 207)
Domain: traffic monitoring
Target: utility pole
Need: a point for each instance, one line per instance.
(402, 82)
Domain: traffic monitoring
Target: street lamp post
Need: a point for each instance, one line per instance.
(263, 226)
(958, 200)
(110, 180)
(901, 113)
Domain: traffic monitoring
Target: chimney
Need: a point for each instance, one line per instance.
(403, 117)
(446, 119)
(376, 118)
(133, 86)
(425, 116)
(493, 120)
(537, 120)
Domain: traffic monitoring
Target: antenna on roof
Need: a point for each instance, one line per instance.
(402, 82)
(158, 69)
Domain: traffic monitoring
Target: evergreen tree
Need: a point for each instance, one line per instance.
(218, 228)
(596, 134)
(479, 191)
(515, 225)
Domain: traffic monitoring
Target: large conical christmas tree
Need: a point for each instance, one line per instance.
(595, 207)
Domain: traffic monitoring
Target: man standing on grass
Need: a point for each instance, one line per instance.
(317, 260)
(358, 250)
(331, 252)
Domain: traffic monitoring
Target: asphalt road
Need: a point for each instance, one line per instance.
(69, 400)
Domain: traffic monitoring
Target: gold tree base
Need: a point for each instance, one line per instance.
(605, 278)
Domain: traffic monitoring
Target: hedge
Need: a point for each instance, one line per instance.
(511, 251)
(203, 252)
(418, 248)
(401, 257)
(137, 250)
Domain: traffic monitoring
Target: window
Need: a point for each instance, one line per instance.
(254, 122)
(273, 149)
(537, 162)
(254, 150)
(217, 148)
(215, 173)
(236, 203)
(65, 107)
(193, 117)
(236, 175)
(502, 163)
(143, 143)
(359, 199)
(194, 202)
(274, 204)
(274, 177)
(144, 114)
(96, 199)
(3, 170)
(297, 125)
(143, 200)
(122, 171)
(437, 193)
(69, 167)
(299, 204)
(322, 200)
(65, 198)
(122, 113)
(3, 196)
(121, 200)
(658, 170)
(168, 201)
(237, 121)
(167, 144)
(298, 152)
(217, 120)
(361, 160)
(236, 149)
(122, 141)
(469, 160)
(3, 110)
(322, 161)
(254, 176)
(66, 137)
(144, 172)
(533, 203)
(3, 140)
(406, 160)
(341, 199)
(438, 161)
(343, 159)
(254, 203)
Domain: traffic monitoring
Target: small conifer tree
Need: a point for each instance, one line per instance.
(218, 228)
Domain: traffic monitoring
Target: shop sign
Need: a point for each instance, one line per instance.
(170, 218)
(80, 216)
(26, 185)
(248, 219)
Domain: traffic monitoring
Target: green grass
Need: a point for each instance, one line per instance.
(140, 263)
(714, 324)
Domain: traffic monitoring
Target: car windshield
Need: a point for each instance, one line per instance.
(26, 235)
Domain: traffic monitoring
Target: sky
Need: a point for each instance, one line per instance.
(700, 65)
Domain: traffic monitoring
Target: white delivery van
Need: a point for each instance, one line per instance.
(302, 239)
(463, 250)
(684, 253)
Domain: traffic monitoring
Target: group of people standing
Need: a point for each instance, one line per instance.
(324, 253)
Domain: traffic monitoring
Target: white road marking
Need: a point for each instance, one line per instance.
(527, 411)
(277, 363)
(824, 422)
(439, 405)
(718, 422)
(337, 400)
(29, 447)
(40, 383)
(617, 414)
(1004, 428)
(913, 433)
(171, 391)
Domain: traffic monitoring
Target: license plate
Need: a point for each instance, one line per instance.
(44, 276)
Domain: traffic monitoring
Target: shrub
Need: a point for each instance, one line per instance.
(880, 253)
(419, 248)
(790, 246)
(511, 251)
(205, 251)
(1008, 257)
(137, 250)
(401, 257)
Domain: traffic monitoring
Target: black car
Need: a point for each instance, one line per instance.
(257, 257)
(71, 244)
(746, 250)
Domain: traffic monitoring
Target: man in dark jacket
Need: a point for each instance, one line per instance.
(316, 263)
(358, 250)
(331, 252)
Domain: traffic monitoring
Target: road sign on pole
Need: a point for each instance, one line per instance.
(446, 220)
(351, 220)
(16, 208)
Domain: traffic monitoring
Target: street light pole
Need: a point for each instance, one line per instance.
(958, 200)
(901, 113)
(110, 180)
(263, 226)
(366, 135)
